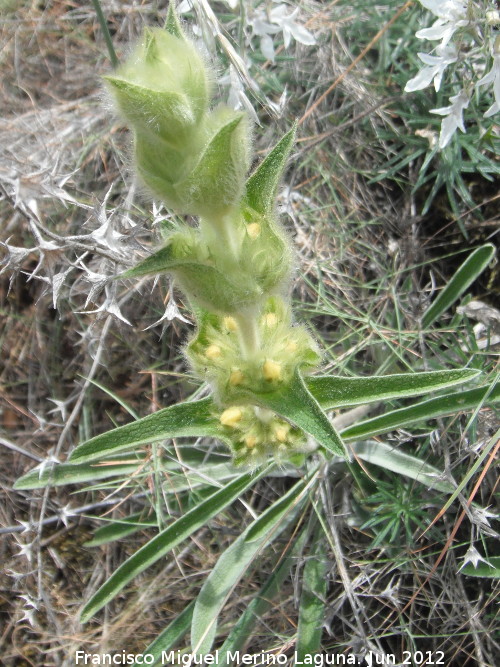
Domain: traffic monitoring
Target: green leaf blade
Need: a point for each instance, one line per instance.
(297, 404)
(161, 261)
(68, 473)
(241, 632)
(116, 530)
(423, 411)
(169, 637)
(389, 457)
(312, 602)
(490, 569)
(233, 563)
(262, 185)
(466, 274)
(193, 419)
(334, 392)
(165, 541)
(172, 23)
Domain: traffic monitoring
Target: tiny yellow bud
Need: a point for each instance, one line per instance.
(231, 416)
(213, 352)
(236, 378)
(291, 346)
(253, 230)
(250, 441)
(230, 323)
(270, 320)
(271, 370)
(281, 432)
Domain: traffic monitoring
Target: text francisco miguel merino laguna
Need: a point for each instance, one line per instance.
(189, 659)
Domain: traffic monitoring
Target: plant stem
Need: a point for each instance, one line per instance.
(248, 332)
(222, 234)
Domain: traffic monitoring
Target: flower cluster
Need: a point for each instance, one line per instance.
(466, 36)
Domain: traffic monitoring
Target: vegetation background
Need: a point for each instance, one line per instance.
(374, 239)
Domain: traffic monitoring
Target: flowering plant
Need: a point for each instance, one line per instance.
(265, 405)
(467, 39)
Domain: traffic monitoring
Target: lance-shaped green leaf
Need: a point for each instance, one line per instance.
(332, 391)
(180, 420)
(164, 260)
(297, 404)
(423, 411)
(389, 457)
(312, 601)
(473, 266)
(59, 474)
(169, 637)
(165, 541)
(241, 632)
(116, 530)
(172, 23)
(235, 561)
(262, 185)
(490, 569)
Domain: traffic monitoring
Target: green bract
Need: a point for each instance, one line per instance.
(194, 159)
(163, 88)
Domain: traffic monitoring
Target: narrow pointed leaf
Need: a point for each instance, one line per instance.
(165, 111)
(262, 185)
(297, 404)
(165, 541)
(334, 392)
(116, 530)
(161, 261)
(180, 420)
(235, 561)
(423, 411)
(169, 637)
(390, 458)
(473, 266)
(312, 602)
(59, 474)
(491, 569)
(241, 632)
(172, 23)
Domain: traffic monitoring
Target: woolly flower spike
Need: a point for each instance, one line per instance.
(235, 266)
(453, 117)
